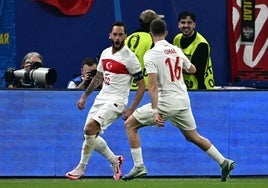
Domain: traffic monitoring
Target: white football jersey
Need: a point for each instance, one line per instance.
(117, 72)
(168, 61)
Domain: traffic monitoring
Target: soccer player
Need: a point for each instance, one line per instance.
(169, 101)
(116, 67)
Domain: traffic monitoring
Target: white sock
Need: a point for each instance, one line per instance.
(102, 147)
(87, 148)
(137, 156)
(215, 154)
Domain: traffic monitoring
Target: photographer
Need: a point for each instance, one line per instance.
(32, 60)
(88, 71)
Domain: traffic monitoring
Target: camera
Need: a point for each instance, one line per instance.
(91, 73)
(36, 75)
(88, 77)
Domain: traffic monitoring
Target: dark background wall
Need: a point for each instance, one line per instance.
(65, 40)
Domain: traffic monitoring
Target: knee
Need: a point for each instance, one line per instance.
(87, 131)
(130, 124)
(92, 128)
(127, 125)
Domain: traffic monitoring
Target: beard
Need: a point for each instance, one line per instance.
(117, 45)
(187, 32)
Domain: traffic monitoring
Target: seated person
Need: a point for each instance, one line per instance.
(31, 60)
(88, 71)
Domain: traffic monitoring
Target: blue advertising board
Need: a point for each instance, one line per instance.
(41, 134)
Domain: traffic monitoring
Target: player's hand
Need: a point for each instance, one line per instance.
(81, 103)
(159, 121)
(185, 72)
(126, 113)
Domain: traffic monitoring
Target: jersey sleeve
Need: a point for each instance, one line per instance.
(133, 65)
(149, 62)
(100, 65)
(186, 62)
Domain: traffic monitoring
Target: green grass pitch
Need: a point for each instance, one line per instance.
(137, 183)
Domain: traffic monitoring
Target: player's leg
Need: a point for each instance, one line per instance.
(91, 130)
(188, 129)
(143, 115)
(106, 115)
(226, 164)
(115, 160)
(100, 117)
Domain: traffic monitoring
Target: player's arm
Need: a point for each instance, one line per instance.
(96, 82)
(188, 66)
(140, 91)
(191, 69)
(138, 77)
(153, 93)
(153, 89)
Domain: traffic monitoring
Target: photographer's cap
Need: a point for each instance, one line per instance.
(149, 15)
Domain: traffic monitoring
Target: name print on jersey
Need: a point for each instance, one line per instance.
(169, 51)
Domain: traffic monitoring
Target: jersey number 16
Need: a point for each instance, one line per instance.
(174, 69)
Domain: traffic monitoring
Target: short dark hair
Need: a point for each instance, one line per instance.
(88, 61)
(120, 24)
(185, 14)
(158, 27)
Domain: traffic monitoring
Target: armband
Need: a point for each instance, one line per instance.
(138, 76)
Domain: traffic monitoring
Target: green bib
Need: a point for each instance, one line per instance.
(190, 79)
(139, 43)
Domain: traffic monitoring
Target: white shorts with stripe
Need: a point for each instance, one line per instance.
(105, 113)
(182, 119)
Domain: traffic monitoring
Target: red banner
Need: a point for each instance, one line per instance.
(71, 7)
(249, 60)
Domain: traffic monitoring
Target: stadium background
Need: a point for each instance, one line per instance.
(65, 41)
(40, 131)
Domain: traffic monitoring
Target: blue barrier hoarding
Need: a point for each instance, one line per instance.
(41, 134)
